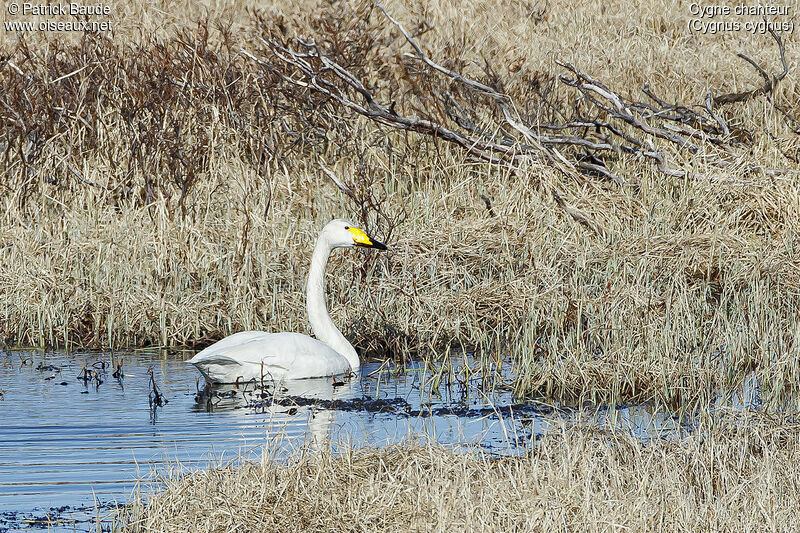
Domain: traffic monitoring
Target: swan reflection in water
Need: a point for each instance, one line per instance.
(305, 404)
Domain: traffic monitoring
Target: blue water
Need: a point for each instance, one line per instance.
(74, 449)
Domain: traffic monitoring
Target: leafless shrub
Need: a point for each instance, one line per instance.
(63, 101)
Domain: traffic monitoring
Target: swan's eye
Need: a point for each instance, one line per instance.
(347, 227)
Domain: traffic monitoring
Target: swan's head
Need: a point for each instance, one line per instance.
(342, 233)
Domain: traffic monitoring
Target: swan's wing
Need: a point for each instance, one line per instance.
(251, 354)
(236, 339)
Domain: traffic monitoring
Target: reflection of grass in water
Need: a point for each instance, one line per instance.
(170, 195)
(737, 475)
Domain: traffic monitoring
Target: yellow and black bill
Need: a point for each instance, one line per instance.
(360, 238)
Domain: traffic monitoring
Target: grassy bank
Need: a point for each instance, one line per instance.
(733, 477)
(162, 186)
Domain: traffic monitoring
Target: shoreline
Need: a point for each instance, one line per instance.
(577, 480)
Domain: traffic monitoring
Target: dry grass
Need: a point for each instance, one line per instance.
(200, 193)
(734, 477)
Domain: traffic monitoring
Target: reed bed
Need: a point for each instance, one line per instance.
(734, 476)
(161, 186)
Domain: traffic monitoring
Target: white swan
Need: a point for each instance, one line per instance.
(280, 356)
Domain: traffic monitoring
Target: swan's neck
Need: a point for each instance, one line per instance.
(321, 323)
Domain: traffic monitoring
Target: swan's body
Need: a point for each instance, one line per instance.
(275, 356)
(279, 356)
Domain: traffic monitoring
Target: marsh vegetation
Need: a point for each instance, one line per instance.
(575, 481)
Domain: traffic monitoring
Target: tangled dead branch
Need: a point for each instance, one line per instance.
(485, 121)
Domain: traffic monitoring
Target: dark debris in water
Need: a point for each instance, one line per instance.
(118, 373)
(47, 368)
(64, 517)
(155, 397)
(394, 406)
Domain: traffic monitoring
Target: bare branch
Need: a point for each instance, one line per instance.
(769, 83)
(342, 187)
(421, 55)
(718, 118)
(576, 214)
